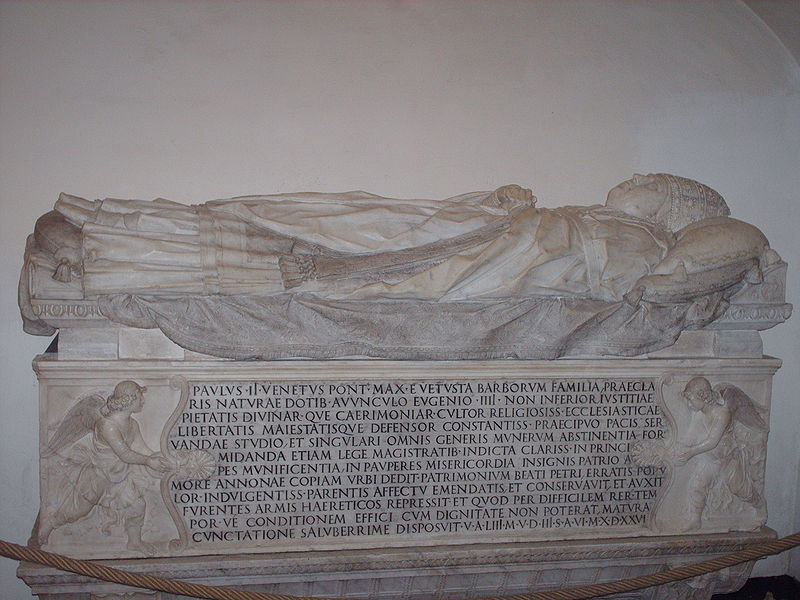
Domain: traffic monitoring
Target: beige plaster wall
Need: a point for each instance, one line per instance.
(200, 100)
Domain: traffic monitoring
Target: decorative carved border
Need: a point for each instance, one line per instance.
(752, 316)
(538, 557)
(666, 381)
(177, 382)
(70, 309)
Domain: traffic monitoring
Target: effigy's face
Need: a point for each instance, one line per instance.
(641, 196)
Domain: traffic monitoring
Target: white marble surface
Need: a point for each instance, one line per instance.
(477, 276)
(224, 456)
(381, 76)
(445, 573)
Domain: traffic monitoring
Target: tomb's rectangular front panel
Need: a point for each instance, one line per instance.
(389, 459)
(170, 458)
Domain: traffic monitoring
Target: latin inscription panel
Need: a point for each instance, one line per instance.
(315, 464)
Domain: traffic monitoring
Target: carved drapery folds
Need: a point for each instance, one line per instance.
(482, 275)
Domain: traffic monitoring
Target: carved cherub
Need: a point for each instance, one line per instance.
(109, 471)
(718, 439)
(721, 448)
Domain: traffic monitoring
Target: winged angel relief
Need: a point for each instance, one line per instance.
(113, 470)
(717, 457)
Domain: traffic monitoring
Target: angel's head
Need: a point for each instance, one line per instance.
(128, 395)
(698, 393)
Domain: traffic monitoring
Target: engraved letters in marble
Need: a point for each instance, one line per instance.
(155, 444)
(255, 463)
(422, 460)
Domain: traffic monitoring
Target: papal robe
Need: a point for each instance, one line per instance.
(361, 246)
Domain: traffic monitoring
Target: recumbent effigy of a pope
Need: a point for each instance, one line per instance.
(481, 275)
(176, 422)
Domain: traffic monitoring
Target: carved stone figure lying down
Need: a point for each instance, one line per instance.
(658, 237)
(483, 275)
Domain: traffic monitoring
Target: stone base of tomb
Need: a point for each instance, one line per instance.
(471, 571)
(445, 472)
(397, 479)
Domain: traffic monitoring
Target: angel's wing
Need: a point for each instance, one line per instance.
(742, 407)
(78, 421)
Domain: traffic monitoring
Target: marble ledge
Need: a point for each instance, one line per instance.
(209, 369)
(442, 572)
(127, 343)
